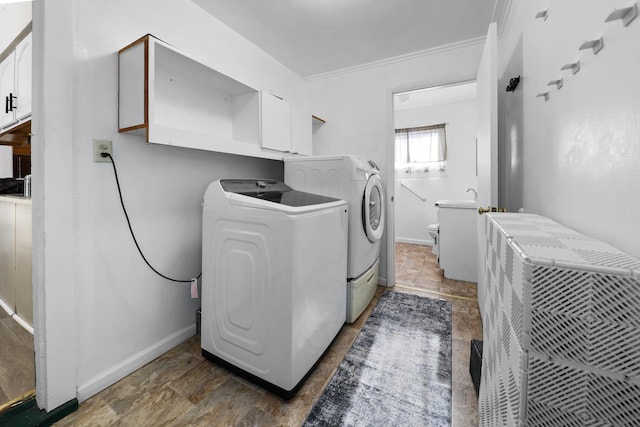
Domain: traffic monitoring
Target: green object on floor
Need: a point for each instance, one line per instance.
(27, 414)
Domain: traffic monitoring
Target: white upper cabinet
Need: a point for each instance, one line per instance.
(7, 89)
(301, 131)
(285, 127)
(276, 123)
(24, 60)
(170, 98)
(15, 85)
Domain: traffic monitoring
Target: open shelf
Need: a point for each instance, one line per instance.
(172, 99)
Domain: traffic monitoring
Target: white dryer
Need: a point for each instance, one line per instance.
(273, 263)
(358, 182)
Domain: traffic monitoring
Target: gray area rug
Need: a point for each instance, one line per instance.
(398, 371)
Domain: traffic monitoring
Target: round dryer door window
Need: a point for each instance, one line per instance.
(373, 209)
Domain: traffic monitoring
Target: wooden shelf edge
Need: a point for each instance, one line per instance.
(317, 120)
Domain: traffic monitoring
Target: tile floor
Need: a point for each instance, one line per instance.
(181, 388)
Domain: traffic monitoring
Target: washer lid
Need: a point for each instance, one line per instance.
(273, 191)
(373, 209)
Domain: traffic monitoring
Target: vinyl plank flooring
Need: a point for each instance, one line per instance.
(3, 397)
(17, 370)
(199, 382)
(182, 388)
(23, 335)
(122, 397)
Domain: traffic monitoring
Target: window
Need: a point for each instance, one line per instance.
(424, 146)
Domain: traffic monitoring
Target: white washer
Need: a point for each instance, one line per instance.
(358, 182)
(273, 264)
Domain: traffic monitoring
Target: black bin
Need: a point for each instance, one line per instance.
(475, 364)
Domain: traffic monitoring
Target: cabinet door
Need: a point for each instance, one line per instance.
(7, 82)
(275, 123)
(23, 283)
(7, 253)
(301, 131)
(23, 77)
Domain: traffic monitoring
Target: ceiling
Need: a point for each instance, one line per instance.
(430, 97)
(317, 36)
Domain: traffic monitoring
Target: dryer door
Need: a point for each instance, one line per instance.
(373, 209)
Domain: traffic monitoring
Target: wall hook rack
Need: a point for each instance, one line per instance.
(558, 83)
(626, 14)
(543, 14)
(595, 45)
(574, 67)
(544, 95)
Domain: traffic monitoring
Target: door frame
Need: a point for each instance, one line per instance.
(390, 179)
(53, 241)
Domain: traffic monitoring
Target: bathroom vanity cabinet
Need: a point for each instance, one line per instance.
(16, 290)
(457, 245)
(170, 98)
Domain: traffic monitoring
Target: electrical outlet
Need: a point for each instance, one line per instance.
(101, 146)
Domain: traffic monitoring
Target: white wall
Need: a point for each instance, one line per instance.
(357, 106)
(578, 153)
(101, 313)
(412, 215)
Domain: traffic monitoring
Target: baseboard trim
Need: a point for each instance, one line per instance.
(414, 241)
(131, 364)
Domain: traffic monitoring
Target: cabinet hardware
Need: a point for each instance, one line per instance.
(11, 98)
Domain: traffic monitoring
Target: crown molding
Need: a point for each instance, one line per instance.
(501, 20)
(396, 59)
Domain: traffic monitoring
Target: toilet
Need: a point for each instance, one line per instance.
(433, 232)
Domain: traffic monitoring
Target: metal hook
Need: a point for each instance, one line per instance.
(543, 14)
(544, 95)
(595, 45)
(626, 14)
(574, 67)
(558, 83)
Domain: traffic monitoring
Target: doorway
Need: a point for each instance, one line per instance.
(434, 156)
(17, 356)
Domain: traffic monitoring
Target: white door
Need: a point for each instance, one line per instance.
(487, 142)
